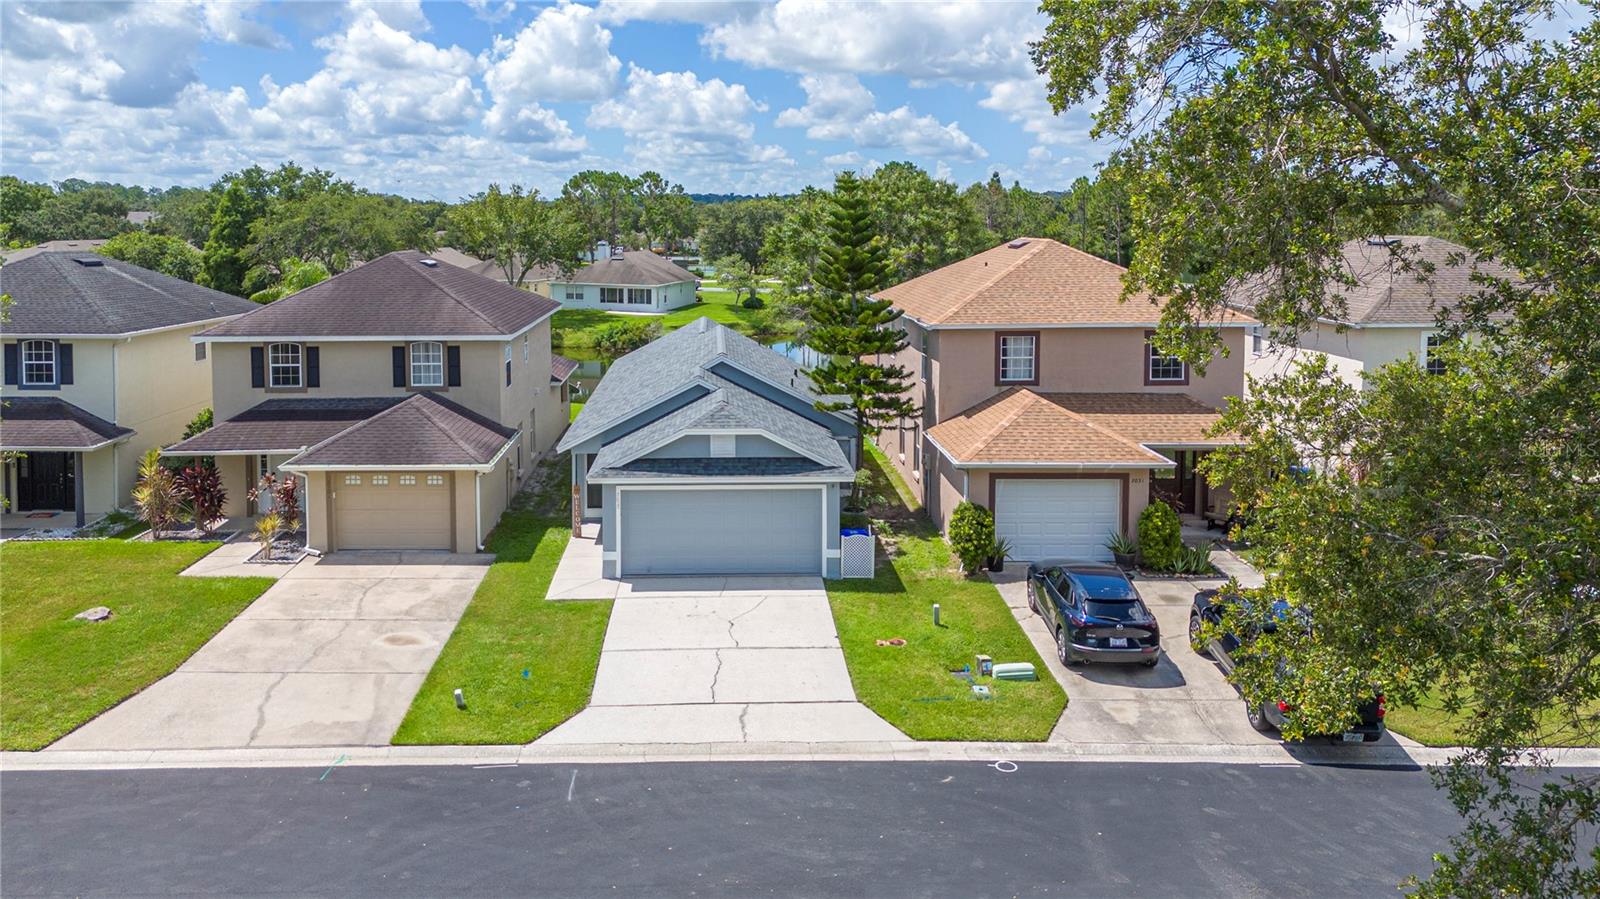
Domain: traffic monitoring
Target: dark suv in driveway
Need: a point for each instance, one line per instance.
(1270, 716)
(1094, 613)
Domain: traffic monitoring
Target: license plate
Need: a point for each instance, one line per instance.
(1119, 642)
(1350, 737)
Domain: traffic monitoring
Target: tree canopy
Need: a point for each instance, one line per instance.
(1443, 537)
(518, 230)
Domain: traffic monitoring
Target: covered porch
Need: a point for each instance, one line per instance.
(60, 463)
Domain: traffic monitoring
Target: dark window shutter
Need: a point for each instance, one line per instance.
(258, 366)
(11, 363)
(313, 367)
(64, 360)
(399, 354)
(452, 356)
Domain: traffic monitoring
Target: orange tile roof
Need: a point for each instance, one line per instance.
(1029, 281)
(1074, 429)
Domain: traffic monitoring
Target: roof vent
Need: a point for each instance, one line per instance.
(430, 263)
(1017, 244)
(89, 261)
(1381, 241)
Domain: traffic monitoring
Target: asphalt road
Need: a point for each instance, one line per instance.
(868, 829)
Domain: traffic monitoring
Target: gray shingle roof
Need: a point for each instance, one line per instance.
(396, 296)
(637, 268)
(744, 467)
(285, 424)
(1388, 293)
(50, 423)
(424, 429)
(55, 294)
(670, 364)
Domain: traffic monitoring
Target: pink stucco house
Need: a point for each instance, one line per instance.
(1044, 401)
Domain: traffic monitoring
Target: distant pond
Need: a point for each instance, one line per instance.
(591, 368)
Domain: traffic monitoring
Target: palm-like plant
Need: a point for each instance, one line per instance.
(267, 531)
(201, 486)
(156, 495)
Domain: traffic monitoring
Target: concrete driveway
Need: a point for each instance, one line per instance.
(330, 655)
(1184, 699)
(722, 659)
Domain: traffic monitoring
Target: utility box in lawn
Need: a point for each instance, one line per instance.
(985, 666)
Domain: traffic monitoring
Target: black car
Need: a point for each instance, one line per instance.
(1270, 716)
(1094, 613)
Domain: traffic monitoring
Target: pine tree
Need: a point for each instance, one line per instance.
(224, 262)
(851, 328)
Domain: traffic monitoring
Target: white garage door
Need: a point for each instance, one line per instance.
(775, 531)
(391, 510)
(1057, 519)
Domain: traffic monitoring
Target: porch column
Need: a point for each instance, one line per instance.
(77, 488)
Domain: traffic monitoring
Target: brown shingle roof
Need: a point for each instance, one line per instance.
(1074, 429)
(561, 368)
(424, 429)
(635, 268)
(1029, 281)
(49, 423)
(1388, 293)
(286, 424)
(396, 296)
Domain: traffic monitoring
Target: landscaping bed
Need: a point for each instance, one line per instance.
(524, 664)
(60, 672)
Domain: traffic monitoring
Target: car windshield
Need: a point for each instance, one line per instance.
(1105, 586)
(1106, 610)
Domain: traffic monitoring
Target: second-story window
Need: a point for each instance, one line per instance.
(283, 365)
(38, 363)
(427, 364)
(1161, 368)
(1017, 358)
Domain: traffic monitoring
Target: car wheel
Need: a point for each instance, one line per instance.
(1257, 716)
(1063, 650)
(1033, 600)
(1153, 662)
(1195, 643)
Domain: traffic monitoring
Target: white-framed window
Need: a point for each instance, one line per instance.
(508, 363)
(639, 296)
(611, 295)
(1430, 344)
(575, 293)
(435, 480)
(902, 431)
(427, 364)
(283, 365)
(39, 363)
(1258, 341)
(524, 349)
(380, 480)
(352, 480)
(916, 448)
(408, 480)
(199, 352)
(1019, 358)
(1161, 368)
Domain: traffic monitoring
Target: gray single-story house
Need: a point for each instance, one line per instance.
(704, 453)
(633, 281)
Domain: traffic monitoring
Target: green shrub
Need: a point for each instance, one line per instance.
(753, 302)
(1159, 538)
(618, 339)
(972, 535)
(1193, 560)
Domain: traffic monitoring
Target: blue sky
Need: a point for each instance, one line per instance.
(440, 99)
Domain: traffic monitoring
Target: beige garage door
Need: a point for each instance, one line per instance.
(391, 510)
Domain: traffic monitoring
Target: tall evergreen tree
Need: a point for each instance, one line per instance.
(225, 263)
(850, 327)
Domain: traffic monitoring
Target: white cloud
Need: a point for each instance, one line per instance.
(971, 40)
(1024, 101)
(844, 160)
(839, 107)
(563, 54)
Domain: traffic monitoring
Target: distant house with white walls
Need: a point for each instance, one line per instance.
(626, 281)
(1391, 312)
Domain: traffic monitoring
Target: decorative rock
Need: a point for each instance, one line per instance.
(98, 613)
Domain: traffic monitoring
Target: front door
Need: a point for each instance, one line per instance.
(45, 481)
(593, 494)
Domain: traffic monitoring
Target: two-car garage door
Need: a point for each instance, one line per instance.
(391, 510)
(729, 531)
(1057, 519)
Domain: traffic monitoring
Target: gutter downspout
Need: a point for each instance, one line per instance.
(477, 508)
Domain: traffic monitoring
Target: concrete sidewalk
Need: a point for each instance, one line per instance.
(722, 660)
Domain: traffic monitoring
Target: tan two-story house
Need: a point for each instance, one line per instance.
(99, 369)
(1044, 400)
(410, 397)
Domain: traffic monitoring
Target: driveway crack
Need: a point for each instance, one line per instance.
(261, 710)
(316, 650)
(743, 733)
(732, 621)
(716, 675)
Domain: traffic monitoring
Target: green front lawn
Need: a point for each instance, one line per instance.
(524, 664)
(576, 328)
(1431, 725)
(911, 685)
(59, 672)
